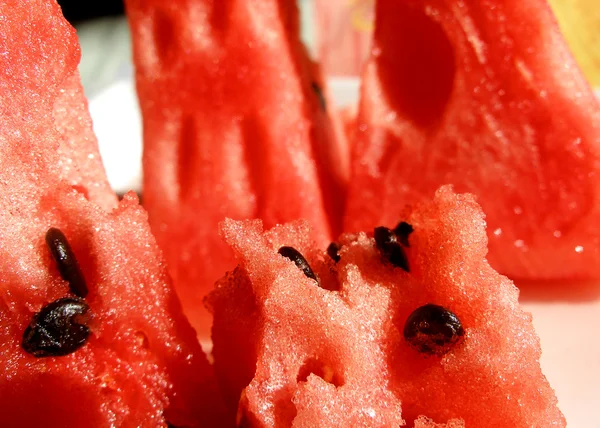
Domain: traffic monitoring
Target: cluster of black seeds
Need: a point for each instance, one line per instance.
(391, 244)
(59, 328)
(433, 330)
(430, 329)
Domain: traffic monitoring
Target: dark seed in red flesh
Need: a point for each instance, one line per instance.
(57, 329)
(295, 256)
(433, 330)
(333, 251)
(319, 92)
(389, 247)
(65, 260)
(402, 231)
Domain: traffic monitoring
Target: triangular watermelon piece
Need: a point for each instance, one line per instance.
(409, 322)
(486, 96)
(235, 124)
(120, 353)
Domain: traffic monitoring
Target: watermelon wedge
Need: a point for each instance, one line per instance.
(235, 124)
(408, 324)
(92, 333)
(486, 96)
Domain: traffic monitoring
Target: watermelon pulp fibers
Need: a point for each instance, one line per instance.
(486, 96)
(79, 159)
(141, 365)
(235, 124)
(290, 350)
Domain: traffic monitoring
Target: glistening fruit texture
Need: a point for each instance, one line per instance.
(236, 125)
(91, 332)
(486, 96)
(400, 322)
(365, 341)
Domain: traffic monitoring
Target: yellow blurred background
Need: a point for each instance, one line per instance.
(579, 20)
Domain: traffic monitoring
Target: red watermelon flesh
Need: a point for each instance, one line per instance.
(289, 351)
(141, 364)
(79, 159)
(423, 422)
(235, 124)
(486, 96)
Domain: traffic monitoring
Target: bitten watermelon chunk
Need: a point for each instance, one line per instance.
(486, 96)
(92, 336)
(235, 124)
(408, 323)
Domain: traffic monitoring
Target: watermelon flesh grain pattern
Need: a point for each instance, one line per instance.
(141, 365)
(290, 351)
(234, 126)
(486, 96)
(79, 158)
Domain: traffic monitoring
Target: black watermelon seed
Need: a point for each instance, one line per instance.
(389, 247)
(402, 231)
(295, 256)
(433, 330)
(319, 92)
(333, 251)
(66, 261)
(57, 329)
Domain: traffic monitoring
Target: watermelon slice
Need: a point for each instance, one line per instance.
(410, 322)
(79, 158)
(486, 96)
(235, 124)
(92, 333)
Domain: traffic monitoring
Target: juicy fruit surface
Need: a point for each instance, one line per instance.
(80, 163)
(67, 119)
(141, 364)
(290, 350)
(234, 125)
(483, 95)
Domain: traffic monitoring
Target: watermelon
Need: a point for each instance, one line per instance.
(79, 160)
(92, 332)
(486, 96)
(409, 323)
(235, 124)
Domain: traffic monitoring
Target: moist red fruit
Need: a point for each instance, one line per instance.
(79, 159)
(235, 125)
(486, 96)
(447, 340)
(124, 355)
